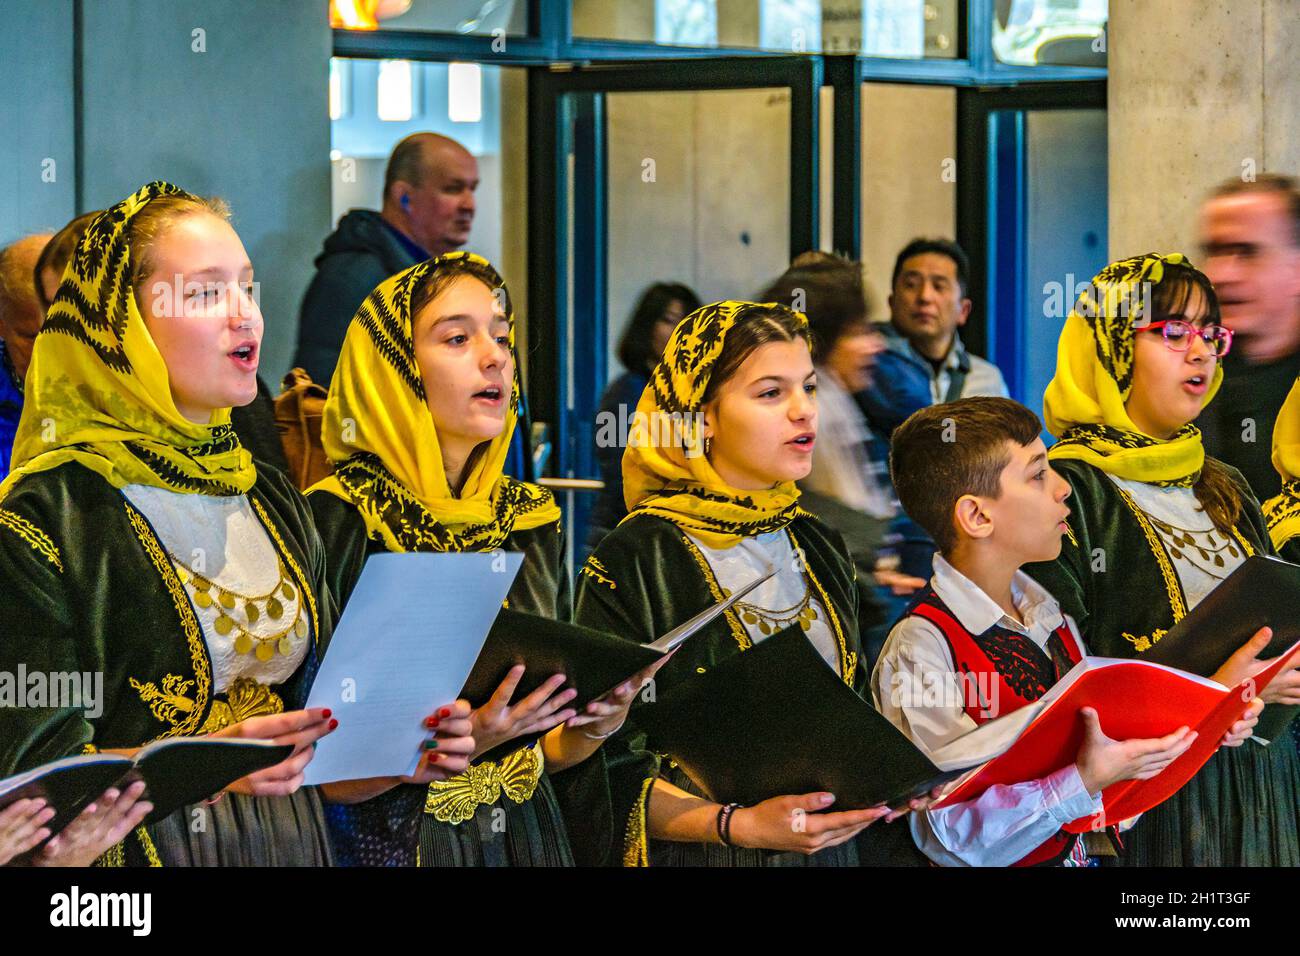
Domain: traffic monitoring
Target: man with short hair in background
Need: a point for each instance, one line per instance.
(21, 317)
(428, 209)
(926, 362)
(1250, 248)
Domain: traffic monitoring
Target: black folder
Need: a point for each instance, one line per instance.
(776, 720)
(1261, 592)
(593, 661)
(176, 772)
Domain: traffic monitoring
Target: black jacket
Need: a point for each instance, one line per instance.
(360, 254)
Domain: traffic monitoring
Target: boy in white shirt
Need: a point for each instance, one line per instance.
(985, 639)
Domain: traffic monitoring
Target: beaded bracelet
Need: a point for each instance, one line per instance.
(724, 822)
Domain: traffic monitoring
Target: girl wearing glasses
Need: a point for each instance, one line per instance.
(1156, 525)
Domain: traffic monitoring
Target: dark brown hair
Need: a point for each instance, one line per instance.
(958, 448)
(757, 326)
(58, 252)
(635, 347)
(833, 296)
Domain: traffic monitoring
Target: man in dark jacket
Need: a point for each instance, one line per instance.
(428, 209)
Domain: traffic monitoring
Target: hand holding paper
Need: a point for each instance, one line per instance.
(410, 634)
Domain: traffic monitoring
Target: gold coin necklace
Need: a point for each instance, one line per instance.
(801, 612)
(229, 604)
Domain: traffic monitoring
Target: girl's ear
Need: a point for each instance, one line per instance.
(708, 413)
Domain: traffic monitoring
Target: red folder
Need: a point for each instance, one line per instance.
(1133, 698)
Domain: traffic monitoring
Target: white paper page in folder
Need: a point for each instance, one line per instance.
(406, 642)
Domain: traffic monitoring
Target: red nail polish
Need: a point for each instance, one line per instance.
(444, 712)
(431, 721)
(434, 757)
(333, 724)
(326, 712)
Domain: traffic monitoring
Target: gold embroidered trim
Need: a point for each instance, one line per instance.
(737, 629)
(167, 704)
(115, 855)
(636, 851)
(454, 801)
(40, 542)
(1141, 642)
(150, 851)
(1173, 589)
(293, 566)
(848, 661)
(1245, 545)
(597, 572)
(246, 698)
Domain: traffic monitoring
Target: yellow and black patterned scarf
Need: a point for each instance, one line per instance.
(1084, 402)
(665, 472)
(379, 433)
(1283, 510)
(97, 391)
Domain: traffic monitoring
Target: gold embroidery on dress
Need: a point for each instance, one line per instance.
(246, 698)
(172, 701)
(293, 566)
(150, 851)
(454, 801)
(115, 855)
(848, 661)
(169, 703)
(636, 852)
(40, 542)
(737, 629)
(1143, 643)
(597, 572)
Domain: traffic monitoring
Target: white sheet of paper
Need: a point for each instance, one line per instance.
(406, 642)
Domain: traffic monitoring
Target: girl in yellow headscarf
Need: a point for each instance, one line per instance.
(140, 542)
(1157, 525)
(1283, 509)
(418, 423)
(724, 429)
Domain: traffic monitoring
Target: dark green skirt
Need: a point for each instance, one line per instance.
(504, 833)
(240, 830)
(1241, 809)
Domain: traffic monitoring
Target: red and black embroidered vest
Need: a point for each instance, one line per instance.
(1001, 671)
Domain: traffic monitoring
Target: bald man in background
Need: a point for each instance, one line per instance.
(428, 209)
(21, 316)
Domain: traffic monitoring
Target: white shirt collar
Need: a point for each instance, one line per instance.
(977, 612)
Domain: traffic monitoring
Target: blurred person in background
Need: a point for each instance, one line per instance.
(1250, 240)
(20, 319)
(657, 313)
(848, 486)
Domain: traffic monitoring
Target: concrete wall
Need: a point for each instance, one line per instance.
(908, 132)
(1200, 91)
(37, 133)
(246, 119)
(716, 214)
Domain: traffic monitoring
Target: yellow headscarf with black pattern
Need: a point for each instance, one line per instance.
(1283, 510)
(665, 472)
(378, 431)
(1084, 402)
(97, 391)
